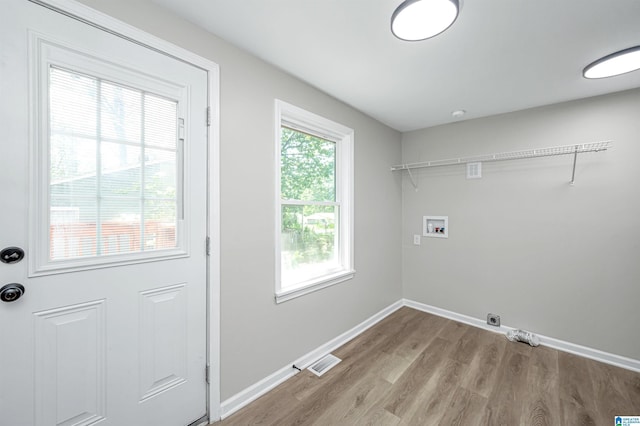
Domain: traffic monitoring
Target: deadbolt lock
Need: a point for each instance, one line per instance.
(11, 255)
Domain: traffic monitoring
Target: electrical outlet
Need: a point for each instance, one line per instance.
(493, 319)
(417, 240)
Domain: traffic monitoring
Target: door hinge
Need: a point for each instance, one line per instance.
(208, 116)
(206, 373)
(208, 245)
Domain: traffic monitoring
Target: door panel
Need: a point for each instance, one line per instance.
(70, 364)
(163, 344)
(121, 339)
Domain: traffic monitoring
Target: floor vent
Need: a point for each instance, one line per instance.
(325, 364)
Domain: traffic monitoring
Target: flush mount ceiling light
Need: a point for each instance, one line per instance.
(621, 62)
(417, 20)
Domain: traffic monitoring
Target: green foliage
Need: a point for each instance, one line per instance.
(315, 247)
(307, 167)
(308, 238)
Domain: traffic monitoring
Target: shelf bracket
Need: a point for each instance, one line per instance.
(575, 159)
(413, 182)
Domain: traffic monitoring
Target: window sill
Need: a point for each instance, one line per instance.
(314, 285)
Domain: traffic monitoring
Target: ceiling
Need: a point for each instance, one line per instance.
(499, 55)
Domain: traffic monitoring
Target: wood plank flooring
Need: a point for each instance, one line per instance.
(415, 368)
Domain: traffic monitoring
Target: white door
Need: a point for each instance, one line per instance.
(103, 171)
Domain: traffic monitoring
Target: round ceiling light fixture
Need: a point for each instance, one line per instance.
(416, 20)
(621, 62)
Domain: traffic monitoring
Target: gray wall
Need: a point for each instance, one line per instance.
(258, 337)
(558, 260)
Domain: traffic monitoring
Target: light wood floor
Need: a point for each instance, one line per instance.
(414, 368)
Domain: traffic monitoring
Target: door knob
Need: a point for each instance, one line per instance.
(11, 292)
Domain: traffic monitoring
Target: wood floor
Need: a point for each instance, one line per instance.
(414, 368)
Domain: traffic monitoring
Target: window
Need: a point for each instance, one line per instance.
(112, 171)
(314, 229)
(110, 167)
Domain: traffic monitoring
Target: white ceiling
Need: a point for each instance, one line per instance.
(499, 56)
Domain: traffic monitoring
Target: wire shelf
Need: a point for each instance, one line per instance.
(513, 155)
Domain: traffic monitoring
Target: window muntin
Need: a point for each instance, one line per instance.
(314, 223)
(113, 168)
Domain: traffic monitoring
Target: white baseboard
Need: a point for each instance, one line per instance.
(455, 316)
(255, 391)
(561, 345)
(595, 354)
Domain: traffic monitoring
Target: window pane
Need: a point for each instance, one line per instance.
(73, 166)
(159, 224)
(120, 225)
(160, 122)
(73, 103)
(120, 113)
(121, 172)
(72, 228)
(309, 246)
(307, 167)
(160, 174)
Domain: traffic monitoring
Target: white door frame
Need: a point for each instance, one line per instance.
(119, 28)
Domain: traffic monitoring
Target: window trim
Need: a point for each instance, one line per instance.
(308, 122)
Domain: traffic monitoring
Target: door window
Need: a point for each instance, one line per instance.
(111, 171)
